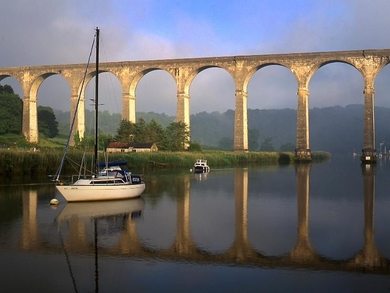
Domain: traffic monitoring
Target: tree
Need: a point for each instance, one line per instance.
(141, 135)
(195, 147)
(47, 123)
(11, 111)
(126, 131)
(155, 133)
(6, 89)
(176, 137)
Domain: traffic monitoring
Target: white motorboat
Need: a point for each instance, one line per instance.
(201, 166)
(112, 182)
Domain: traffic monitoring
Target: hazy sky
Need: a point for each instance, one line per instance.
(55, 32)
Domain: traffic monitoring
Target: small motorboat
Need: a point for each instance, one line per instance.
(201, 166)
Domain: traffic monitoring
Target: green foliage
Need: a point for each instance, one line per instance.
(109, 122)
(126, 131)
(154, 133)
(47, 123)
(88, 142)
(267, 145)
(11, 111)
(6, 89)
(13, 140)
(43, 162)
(195, 147)
(140, 132)
(176, 137)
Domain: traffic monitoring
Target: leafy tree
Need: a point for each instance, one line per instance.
(89, 141)
(6, 89)
(11, 111)
(195, 147)
(140, 131)
(155, 133)
(47, 123)
(126, 131)
(176, 137)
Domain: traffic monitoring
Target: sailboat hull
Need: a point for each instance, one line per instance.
(75, 193)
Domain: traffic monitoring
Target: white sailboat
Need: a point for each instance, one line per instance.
(112, 182)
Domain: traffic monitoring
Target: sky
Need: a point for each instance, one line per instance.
(44, 32)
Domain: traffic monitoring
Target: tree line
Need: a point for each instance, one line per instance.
(11, 115)
(174, 137)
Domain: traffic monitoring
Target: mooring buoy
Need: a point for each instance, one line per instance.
(54, 202)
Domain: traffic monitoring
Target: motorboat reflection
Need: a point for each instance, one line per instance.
(200, 176)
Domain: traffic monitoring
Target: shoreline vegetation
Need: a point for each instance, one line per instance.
(31, 163)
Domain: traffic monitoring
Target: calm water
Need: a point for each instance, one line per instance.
(320, 227)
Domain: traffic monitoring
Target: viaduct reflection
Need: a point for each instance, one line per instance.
(302, 255)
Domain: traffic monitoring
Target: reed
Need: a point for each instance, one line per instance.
(46, 161)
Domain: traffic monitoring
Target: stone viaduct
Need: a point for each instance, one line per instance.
(242, 68)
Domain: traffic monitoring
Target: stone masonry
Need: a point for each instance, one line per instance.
(241, 68)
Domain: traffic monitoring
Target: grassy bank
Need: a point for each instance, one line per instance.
(46, 161)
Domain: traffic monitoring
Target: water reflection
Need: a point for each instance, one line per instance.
(303, 251)
(29, 223)
(119, 232)
(369, 255)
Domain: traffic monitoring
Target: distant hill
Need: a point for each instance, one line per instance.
(334, 129)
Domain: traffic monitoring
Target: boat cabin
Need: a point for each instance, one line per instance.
(201, 166)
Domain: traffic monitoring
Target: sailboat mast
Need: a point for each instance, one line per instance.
(96, 102)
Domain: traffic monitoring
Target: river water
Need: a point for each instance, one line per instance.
(318, 227)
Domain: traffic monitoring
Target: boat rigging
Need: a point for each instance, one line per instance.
(113, 181)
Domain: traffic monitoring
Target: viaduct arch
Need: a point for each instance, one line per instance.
(242, 68)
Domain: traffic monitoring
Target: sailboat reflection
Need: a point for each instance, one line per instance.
(95, 210)
(83, 212)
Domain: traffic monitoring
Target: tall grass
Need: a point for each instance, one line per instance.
(46, 161)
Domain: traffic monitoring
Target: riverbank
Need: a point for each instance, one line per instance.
(43, 162)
